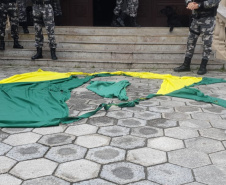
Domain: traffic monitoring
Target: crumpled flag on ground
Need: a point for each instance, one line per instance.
(37, 99)
(110, 89)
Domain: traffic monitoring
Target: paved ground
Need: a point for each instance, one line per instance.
(168, 141)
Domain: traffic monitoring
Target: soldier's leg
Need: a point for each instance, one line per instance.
(39, 39)
(207, 31)
(119, 15)
(22, 4)
(3, 19)
(14, 21)
(48, 18)
(131, 11)
(191, 44)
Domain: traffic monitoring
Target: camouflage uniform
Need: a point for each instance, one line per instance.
(22, 5)
(129, 7)
(44, 13)
(203, 23)
(9, 7)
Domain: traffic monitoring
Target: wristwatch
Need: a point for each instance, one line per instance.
(199, 5)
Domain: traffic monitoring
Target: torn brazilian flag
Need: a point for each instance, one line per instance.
(37, 99)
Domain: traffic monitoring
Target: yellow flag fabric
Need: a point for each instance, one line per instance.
(170, 83)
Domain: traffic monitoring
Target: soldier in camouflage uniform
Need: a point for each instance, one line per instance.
(43, 12)
(124, 9)
(22, 5)
(203, 23)
(9, 7)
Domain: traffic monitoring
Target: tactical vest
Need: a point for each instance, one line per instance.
(205, 12)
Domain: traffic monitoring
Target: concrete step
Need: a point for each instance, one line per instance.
(73, 30)
(93, 63)
(104, 55)
(110, 38)
(106, 46)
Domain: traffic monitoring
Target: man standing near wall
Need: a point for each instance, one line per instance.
(124, 9)
(43, 12)
(203, 23)
(9, 7)
(22, 5)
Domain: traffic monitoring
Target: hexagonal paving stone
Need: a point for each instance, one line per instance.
(78, 170)
(165, 143)
(66, 153)
(206, 116)
(221, 124)
(211, 175)
(161, 109)
(147, 115)
(57, 139)
(102, 121)
(105, 155)
(22, 139)
(25, 152)
(4, 148)
(114, 131)
(135, 109)
(80, 130)
(219, 158)
(92, 141)
(94, 182)
(215, 110)
(132, 122)
(48, 180)
(194, 124)
(172, 103)
(181, 133)
(162, 123)
(6, 164)
(3, 135)
(199, 104)
(147, 132)
(204, 145)
(146, 156)
(149, 103)
(34, 168)
(170, 174)
(143, 183)
(122, 173)
(16, 130)
(188, 158)
(176, 116)
(213, 133)
(50, 130)
(6, 179)
(187, 109)
(120, 114)
(128, 142)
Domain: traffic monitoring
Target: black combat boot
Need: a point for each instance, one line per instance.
(17, 45)
(202, 69)
(2, 43)
(133, 22)
(185, 66)
(38, 54)
(25, 27)
(53, 53)
(121, 19)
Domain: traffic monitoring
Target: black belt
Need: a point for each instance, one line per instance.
(41, 2)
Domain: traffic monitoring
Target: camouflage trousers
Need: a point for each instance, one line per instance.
(22, 5)
(205, 27)
(44, 13)
(11, 10)
(129, 7)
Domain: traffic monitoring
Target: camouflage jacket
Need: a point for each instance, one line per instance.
(55, 4)
(207, 7)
